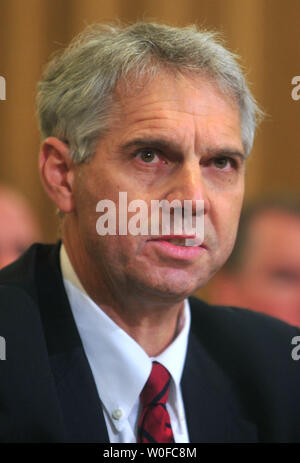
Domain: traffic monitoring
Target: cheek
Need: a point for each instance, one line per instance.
(226, 226)
(227, 219)
(121, 249)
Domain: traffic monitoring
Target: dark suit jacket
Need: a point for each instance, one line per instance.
(240, 383)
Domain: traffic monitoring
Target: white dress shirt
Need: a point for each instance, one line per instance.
(120, 366)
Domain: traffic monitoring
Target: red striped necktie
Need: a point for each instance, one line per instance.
(154, 424)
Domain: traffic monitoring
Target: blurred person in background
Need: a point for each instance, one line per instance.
(263, 271)
(19, 226)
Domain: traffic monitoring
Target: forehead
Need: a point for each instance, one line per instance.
(191, 105)
(167, 83)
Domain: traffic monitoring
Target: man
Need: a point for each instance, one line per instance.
(19, 228)
(105, 345)
(263, 271)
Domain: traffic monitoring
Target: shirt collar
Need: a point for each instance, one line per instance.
(111, 350)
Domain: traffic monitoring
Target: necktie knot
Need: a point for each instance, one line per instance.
(156, 390)
(154, 424)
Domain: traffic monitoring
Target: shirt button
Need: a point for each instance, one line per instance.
(117, 414)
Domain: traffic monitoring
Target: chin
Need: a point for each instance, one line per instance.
(174, 289)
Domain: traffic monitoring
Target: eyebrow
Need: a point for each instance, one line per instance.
(227, 152)
(163, 144)
(157, 142)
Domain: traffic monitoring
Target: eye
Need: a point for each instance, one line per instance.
(224, 162)
(148, 156)
(285, 276)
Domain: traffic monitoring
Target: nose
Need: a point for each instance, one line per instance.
(188, 184)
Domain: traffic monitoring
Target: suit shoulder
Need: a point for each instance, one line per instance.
(19, 283)
(23, 272)
(15, 302)
(243, 335)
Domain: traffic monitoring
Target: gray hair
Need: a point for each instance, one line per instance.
(76, 95)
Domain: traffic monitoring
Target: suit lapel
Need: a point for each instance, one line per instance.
(212, 411)
(76, 389)
(205, 403)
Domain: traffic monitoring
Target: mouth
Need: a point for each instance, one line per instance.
(181, 241)
(183, 248)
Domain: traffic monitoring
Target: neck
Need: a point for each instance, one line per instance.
(152, 322)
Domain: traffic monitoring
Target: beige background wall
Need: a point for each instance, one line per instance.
(264, 32)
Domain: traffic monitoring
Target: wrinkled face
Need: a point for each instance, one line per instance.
(176, 139)
(270, 278)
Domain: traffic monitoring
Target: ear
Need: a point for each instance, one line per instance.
(57, 173)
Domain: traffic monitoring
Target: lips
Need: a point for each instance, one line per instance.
(183, 241)
(176, 247)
